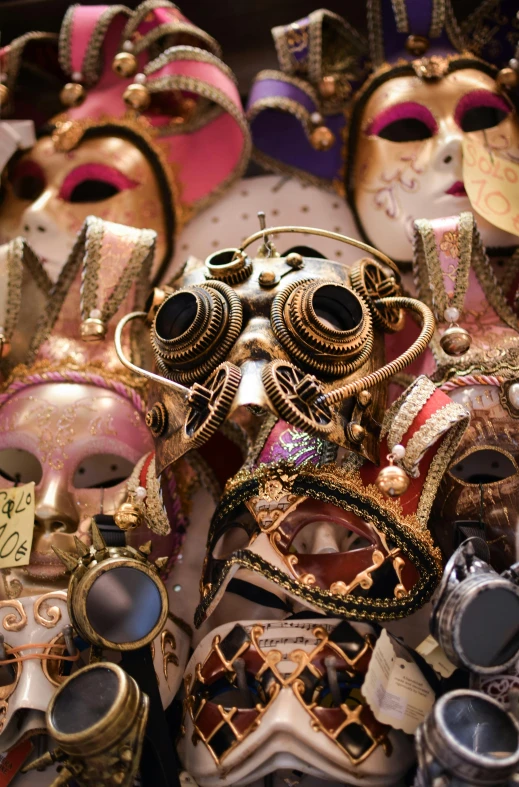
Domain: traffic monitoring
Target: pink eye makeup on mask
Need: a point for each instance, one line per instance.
(94, 183)
(480, 109)
(405, 122)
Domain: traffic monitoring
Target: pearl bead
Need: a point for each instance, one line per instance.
(140, 493)
(95, 314)
(316, 118)
(451, 314)
(128, 46)
(513, 395)
(177, 588)
(140, 79)
(514, 63)
(77, 76)
(398, 451)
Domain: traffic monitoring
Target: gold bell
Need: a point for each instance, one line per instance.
(92, 329)
(322, 138)
(455, 341)
(137, 97)
(5, 346)
(417, 45)
(392, 480)
(128, 516)
(507, 77)
(125, 64)
(4, 95)
(327, 87)
(73, 94)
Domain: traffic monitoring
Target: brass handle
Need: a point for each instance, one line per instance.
(260, 234)
(181, 389)
(393, 367)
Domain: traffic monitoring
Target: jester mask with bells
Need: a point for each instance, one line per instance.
(308, 523)
(152, 130)
(72, 422)
(284, 696)
(384, 119)
(476, 362)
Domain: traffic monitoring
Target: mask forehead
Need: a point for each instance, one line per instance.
(51, 213)
(395, 182)
(68, 421)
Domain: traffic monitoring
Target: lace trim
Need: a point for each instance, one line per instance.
(429, 433)
(415, 399)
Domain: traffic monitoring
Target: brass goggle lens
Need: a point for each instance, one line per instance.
(324, 325)
(194, 329)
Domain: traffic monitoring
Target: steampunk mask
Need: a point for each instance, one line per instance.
(272, 695)
(297, 336)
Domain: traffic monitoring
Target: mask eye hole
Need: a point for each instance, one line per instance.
(484, 467)
(406, 122)
(94, 183)
(28, 180)
(101, 470)
(20, 466)
(479, 110)
(319, 538)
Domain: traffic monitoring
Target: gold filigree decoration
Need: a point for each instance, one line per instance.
(450, 244)
(49, 616)
(168, 646)
(14, 621)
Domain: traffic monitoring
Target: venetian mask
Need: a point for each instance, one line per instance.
(481, 488)
(304, 525)
(406, 153)
(48, 194)
(261, 697)
(79, 444)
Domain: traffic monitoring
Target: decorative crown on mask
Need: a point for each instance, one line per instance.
(64, 332)
(301, 115)
(293, 480)
(155, 79)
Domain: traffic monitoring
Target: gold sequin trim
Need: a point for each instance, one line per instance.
(398, 420)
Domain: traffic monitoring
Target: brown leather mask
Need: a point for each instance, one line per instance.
(481, 488)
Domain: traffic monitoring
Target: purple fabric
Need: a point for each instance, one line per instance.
(281, 136)
(301, 54)
(419, 16)
(268, 88)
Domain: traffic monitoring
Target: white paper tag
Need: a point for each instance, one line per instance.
(16, 525)
(436, 657)
(395, 689)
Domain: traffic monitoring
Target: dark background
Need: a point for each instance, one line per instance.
(242, 27)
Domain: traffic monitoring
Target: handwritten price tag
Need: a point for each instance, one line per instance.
(492, 184)
(16, 525)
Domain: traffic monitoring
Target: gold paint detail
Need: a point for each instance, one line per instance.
(49, 616)
(14, 621)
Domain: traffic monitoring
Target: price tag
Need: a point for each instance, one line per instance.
(395, 688)
(435, 656)
(16, 525)
(11, 761)
(492, 185)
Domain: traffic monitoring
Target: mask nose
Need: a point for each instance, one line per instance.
(324, 540)
(449, 155)
(55, 512)
(36, 221)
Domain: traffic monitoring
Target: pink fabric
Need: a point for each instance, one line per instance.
(206, 157)
(206, 72)
(160, 16)
(83, 25)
